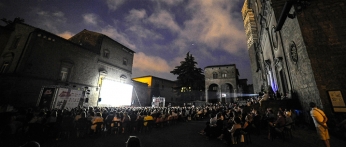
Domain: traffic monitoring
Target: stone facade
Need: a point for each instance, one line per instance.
(300, 49)
(32, 58)
(221, 83)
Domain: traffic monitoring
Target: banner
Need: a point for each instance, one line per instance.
(73, 99)
(62, 95)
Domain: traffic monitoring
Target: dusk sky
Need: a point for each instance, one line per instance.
(161, 32)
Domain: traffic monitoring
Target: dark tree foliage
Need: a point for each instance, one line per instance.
(16, 20)
(189, 77)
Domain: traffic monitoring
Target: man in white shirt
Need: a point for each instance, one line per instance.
(320, 121)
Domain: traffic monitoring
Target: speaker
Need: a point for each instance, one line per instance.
(86, 100)
(99, 99)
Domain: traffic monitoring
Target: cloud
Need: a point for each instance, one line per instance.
(213, 25)
(165, 20)
(136, 15)
(117, 36)
(148, 63)
(91, 19)
(172, 2)
(66, 35)
(51, 21)
(142, 32)
(114, 4)
(136, 20)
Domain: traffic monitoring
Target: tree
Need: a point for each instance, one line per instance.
(190, 80)
(16, 20)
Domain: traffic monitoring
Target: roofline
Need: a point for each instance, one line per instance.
(152, 77)
(128, 49)
(219, 65)
(36, 29)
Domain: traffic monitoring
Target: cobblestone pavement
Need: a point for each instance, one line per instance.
(186, 134)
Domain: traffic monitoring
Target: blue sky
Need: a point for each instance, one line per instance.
(161, 32)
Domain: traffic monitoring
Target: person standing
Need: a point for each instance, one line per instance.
(320, 120)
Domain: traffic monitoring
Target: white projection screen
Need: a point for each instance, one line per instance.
(114, 94)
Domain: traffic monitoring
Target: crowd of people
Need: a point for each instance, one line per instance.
(226, 122)
(41, 124)
(233, 124)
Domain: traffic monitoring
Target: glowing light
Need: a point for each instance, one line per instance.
(115, 94)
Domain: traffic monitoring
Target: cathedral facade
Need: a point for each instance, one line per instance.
(297, 48)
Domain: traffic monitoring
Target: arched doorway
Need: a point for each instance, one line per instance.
(213, 96)
(227, 93)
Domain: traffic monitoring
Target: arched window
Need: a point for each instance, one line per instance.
(224, 75)
(215, 75)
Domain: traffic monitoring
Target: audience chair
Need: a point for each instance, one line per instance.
(99, 129)
(116, 128)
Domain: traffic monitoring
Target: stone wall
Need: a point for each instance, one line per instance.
(323, 28)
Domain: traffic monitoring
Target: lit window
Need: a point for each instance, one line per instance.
(64, 74)
(124, 61)
(183, 89)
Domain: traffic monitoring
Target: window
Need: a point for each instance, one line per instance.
(15, 42)
(65, 70)
(224, 75)
(106, 53)
(7, 60)
(215, 88)
(123, 79)
(215, 75)
(183, 89)
(163, 87)
(4, 67)
(64, 73)
(275, 39)
(124, 61)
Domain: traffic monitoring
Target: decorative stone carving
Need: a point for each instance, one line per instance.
(293, 52)
(274, 38)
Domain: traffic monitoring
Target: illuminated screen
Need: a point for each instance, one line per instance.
(115, 94)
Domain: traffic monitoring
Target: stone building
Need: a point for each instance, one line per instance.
(32, 58)
(298, 48)
(158, 87)
(221, 83)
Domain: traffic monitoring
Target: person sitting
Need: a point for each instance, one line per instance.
(236, 125)
(288, 119)
(147, 118)
(277, 126)
(247, 127)
(98, 118)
